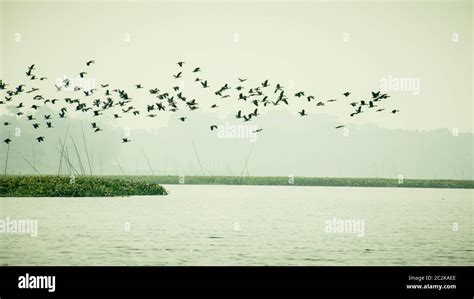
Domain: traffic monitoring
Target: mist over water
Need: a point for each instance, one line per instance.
(305, 147)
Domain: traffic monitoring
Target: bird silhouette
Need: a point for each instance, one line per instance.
(302, 113)
(213, 127)
(299, 94)
(375, 94)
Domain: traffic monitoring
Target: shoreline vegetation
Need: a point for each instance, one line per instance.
(82, 186)
(110, 186)
(305, 181)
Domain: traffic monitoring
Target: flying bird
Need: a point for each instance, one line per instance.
(299, 94)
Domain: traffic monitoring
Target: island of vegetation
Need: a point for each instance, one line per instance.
(82, 186)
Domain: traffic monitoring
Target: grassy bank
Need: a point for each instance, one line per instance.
(54, 186)
(305, 181)
(98, 186)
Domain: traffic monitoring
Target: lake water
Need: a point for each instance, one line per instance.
(246, 225)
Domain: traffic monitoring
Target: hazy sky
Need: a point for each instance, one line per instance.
(322, 48)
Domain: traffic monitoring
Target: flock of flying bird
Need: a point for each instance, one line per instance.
(118, 102)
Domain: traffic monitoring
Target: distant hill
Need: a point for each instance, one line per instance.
(288, 145)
